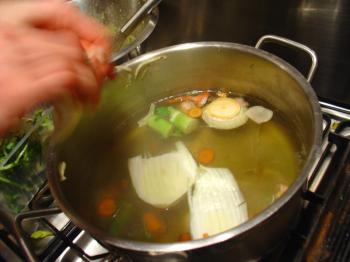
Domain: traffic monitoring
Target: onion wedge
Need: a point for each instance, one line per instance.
(216, 203)
(162, 180)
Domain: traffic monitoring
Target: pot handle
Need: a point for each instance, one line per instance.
(290, 43)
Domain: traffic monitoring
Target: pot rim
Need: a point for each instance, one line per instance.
(155, 248)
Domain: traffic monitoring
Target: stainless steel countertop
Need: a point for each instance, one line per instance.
(320, 24)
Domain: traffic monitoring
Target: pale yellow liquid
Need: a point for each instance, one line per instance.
(261, 157)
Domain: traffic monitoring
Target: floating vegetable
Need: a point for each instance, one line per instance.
(224, 113)
(142, 122)
(183, 122)
(154, 224)
(205, 156)
(121, 218)
(195, 112)
(107, 207)
(216, 203)
(199, 100)
(186, 106)
(160, 125)
(259, 114)
(162, 180)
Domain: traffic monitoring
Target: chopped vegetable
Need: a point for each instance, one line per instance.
(183, 122)
(107, 207)
(259, 114)
(195, 112)
(160, 125)
(224, 113)
(142, 122)
(185, 106)
(154, 224)
(216, 203)
(205, 156)
(184, 237)
(199, 100)
(205, 235)
(40, 234)
(121, 218)
(162, 180)
(162, 111)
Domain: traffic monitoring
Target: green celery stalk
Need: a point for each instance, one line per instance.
(160, 125)
(121, 218)
(183, 122)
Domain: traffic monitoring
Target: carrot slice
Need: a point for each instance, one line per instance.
(154, 224)
(107, 207)
(205, 156)
(185, 237)
(205, 235)
(195, 112)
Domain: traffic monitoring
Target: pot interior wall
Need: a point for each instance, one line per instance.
(185, 68)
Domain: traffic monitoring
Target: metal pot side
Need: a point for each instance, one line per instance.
(206, 65)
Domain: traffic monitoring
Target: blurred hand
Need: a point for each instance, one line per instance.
(42, 57)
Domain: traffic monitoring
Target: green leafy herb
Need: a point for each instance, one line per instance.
(40, 234)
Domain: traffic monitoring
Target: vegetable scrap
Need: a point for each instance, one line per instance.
(40, 234)
(216, 203)
(162, 180)
(199, 100)
(168, 121)
(205, 156)
(224, 113)
(154, 224)
(107, 207)
(195, 112)
(259, 114)
(121, 217)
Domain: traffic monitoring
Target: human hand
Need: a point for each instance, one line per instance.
(42, 58)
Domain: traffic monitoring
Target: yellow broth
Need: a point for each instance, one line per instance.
(264, 159)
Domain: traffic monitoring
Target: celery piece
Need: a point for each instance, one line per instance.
(162, 111)
(121, 218)
(181, 121)
(160, 125)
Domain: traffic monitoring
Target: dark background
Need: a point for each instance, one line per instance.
(322, 25)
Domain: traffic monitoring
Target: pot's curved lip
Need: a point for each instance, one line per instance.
(154, 248)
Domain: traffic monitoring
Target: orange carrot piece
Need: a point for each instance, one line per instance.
(185, 237)
(154, 224)
(205, 156)
(195, 112)
(200, 99)
(205, 235)
(107, 207)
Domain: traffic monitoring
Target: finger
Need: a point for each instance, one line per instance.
(56, 15)
(35, 49)
(77, 78)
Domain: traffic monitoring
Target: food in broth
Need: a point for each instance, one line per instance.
(193, 166)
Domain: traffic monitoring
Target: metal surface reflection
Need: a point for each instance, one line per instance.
(320, 24)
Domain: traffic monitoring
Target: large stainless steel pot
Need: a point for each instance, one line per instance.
(177, 69)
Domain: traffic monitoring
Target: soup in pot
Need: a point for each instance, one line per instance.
(189, 167)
